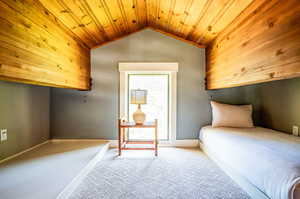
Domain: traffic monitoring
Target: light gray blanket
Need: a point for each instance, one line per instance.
(268, 159)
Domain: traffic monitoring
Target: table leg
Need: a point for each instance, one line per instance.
(120, 137)
(156, 137)
(123, 136)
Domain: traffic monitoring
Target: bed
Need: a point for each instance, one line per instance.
(265, 161)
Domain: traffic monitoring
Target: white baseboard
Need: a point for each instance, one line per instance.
(22, 152)
(178, 143)
(76, 140)
(187, 143)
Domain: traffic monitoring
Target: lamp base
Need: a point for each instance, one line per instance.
(138, 116)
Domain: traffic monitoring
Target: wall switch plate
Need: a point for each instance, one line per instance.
(3, 133)
(295, 130)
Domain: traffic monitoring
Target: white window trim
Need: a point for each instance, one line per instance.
(151, 68)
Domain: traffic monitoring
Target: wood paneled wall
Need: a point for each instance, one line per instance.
(48, 42)
(262, 44)
(36, 48)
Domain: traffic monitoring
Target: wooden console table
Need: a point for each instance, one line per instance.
(122, 138)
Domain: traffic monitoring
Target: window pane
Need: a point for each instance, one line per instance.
(157, 106)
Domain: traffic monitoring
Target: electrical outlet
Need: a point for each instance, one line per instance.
(295, 131)
(3, 133)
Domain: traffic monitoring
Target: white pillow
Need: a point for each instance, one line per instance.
(225, 115)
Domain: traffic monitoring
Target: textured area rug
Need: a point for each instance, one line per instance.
(175, 174)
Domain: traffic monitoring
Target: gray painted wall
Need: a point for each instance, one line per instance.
(276, 104)
(24, 112)
(240, 96)
(93, 114)
(280, 104)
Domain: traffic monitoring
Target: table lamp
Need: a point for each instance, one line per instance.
(139, 97)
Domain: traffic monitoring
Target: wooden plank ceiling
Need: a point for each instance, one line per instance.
(97, 22)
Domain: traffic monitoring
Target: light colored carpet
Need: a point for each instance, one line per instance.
(45, 171)
(175, 174)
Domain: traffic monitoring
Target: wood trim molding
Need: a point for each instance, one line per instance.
(148, 66)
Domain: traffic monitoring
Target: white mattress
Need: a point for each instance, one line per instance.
(268, 159)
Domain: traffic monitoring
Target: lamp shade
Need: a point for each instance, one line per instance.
(138, 96)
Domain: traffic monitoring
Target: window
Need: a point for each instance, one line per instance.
(160, 80)
(157, 106)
